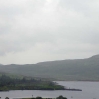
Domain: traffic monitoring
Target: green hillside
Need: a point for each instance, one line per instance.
(77, 69)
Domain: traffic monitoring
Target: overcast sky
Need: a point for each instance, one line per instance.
(32, 31)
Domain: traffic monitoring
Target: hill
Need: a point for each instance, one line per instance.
(76, 69)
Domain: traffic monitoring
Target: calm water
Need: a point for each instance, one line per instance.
(90, 90)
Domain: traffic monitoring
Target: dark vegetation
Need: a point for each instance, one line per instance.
(77, 69)
(59, 97)
(8, 83)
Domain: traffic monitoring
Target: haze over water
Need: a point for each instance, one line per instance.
(90, 90)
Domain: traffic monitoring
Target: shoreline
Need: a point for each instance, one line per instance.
(77, 80)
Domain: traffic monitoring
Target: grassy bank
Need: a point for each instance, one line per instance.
(8, 83)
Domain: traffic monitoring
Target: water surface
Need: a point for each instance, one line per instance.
(90, 90)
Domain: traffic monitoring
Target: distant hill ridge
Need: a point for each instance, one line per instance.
(73, 69)
(95, 56)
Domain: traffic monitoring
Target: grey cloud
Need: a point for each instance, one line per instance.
(49, 27)
(87, 7)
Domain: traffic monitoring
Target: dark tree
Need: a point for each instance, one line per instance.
(38, 97)
(7, 98)
(61, 97)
